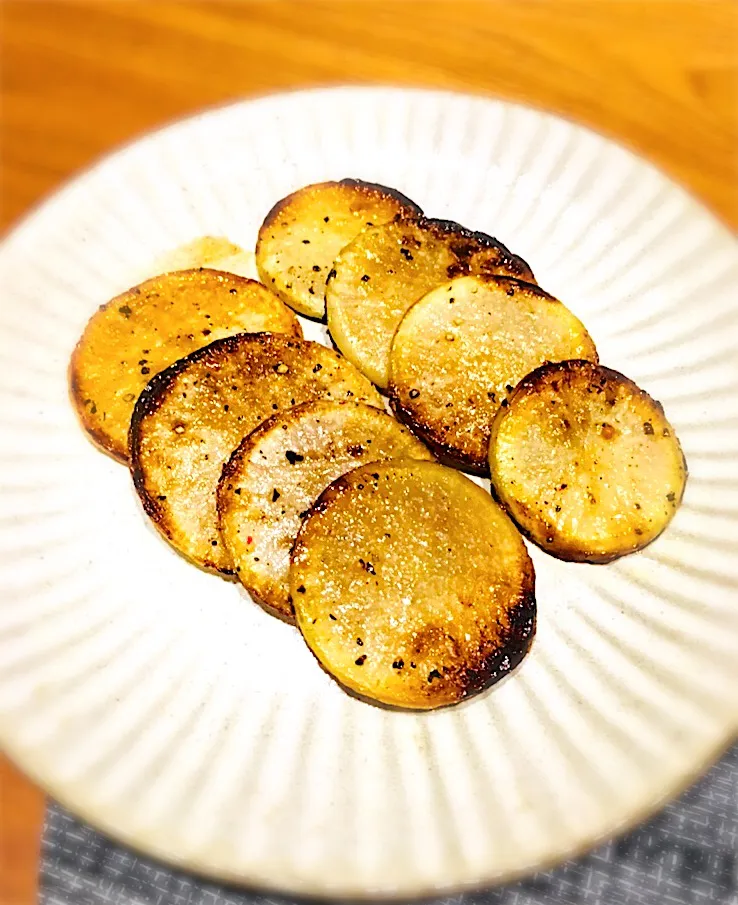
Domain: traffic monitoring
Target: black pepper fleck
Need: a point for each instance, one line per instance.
(293, 457)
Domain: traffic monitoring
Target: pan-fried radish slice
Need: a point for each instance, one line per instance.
(215, 252)
(149, 327)
(411, 586)
(279, 470)
(191, 417)
(586, 462)
(462, 348)
(302, 234)
(387, 268)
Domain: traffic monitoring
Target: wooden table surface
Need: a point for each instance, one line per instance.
(77, 79)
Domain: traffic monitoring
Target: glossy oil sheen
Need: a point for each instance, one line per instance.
(167, 709)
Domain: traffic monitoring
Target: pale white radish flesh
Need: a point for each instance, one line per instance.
(586, 462)
(387, 268)
(303, 233)
(278, 472)
(191, 417)
(459, 352)
(411, 586)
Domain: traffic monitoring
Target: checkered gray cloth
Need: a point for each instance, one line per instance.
(686, 855)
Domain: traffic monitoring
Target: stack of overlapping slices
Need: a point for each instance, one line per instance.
(266, 456)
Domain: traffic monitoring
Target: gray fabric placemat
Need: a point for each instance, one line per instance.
(686, 855)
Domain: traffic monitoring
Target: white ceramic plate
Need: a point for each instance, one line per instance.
(163, 706)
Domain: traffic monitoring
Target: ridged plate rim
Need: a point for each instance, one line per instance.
(31, 763)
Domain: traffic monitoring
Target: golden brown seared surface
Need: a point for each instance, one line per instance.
(586, 462)
(304, 232)
(460, 351)
(411, 586)
(191, 417)
(149, 327)
(278, 472)
(387, 268)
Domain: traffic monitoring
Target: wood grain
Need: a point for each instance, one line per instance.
(77, 79)
(21, 818)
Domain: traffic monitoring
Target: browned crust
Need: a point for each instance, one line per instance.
(244, 448)
(286, 416)
(499, 658)
(154, 395)
(447, 453)
(520, 285)
(512, 646)
(498, 663)
(368, 188)
(466, 243)
(232, 463)
(102, 440)
(568, 553)
(332, 491)
(568, 370)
